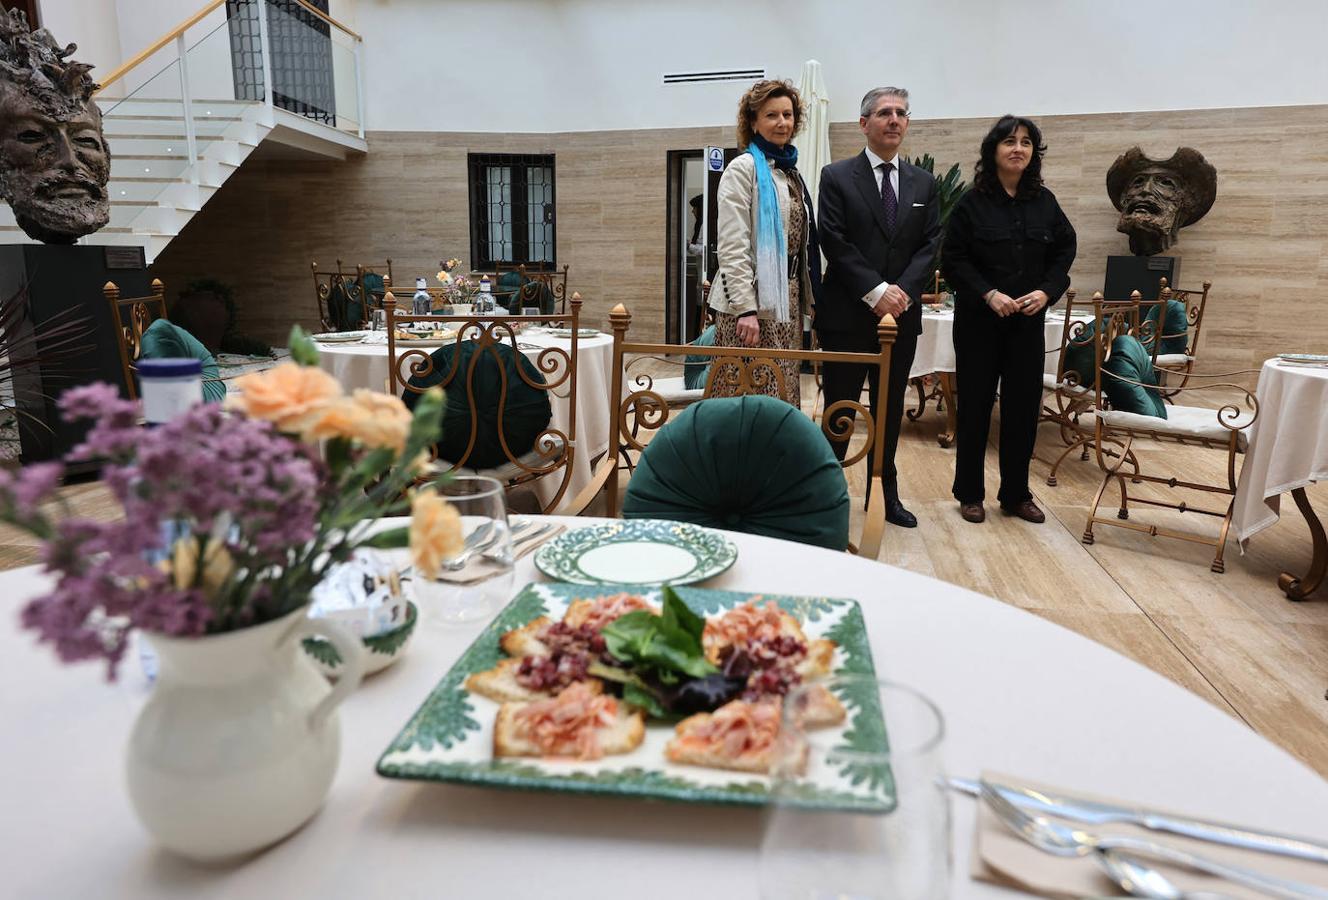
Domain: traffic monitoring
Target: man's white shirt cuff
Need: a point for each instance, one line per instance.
(872, 296)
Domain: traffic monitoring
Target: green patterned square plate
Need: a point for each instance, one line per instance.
(640, 552)
(450, 737)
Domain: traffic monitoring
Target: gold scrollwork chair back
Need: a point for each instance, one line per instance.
(554, 280)
(554, 448)
(327, 283)
(131, 316)
(1181, 363)
(637, 409)
(1117, 434)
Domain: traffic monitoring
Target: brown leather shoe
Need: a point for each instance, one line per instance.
(973, 512)
(1028, 511)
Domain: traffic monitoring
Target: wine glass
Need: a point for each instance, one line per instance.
(474, 583)
(894, 844)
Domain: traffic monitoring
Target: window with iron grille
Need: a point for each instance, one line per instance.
(512, 210)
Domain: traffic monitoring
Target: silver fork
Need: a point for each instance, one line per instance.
(1062, 840)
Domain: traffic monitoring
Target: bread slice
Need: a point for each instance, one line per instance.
(591, 737)
(524, 641)
(500, 684)
(820, 656)
(739, 736)
(602, 610)
(820, 707)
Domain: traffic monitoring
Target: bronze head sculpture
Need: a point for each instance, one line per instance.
(54, 162)
(1157, 198)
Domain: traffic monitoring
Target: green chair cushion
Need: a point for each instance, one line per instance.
(526, 412)
(1130, 360)
(505, 291)
(374, 288)
(164, 339)
(697, 368)
(1080, 355)
(753, 464)
(344, 306)
(532, 293)
(1175, 328)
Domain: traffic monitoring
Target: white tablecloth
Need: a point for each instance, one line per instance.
(358, 365)
(936, 351)
(1019, 694)
(1288, 443)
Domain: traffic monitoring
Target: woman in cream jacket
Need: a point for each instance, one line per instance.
(764, 283)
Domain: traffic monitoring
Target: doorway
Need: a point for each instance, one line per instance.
(690, 256)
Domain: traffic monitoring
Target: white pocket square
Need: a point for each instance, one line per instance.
(916, 205)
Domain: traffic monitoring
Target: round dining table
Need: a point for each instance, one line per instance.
(1019, 695)
(363, 364)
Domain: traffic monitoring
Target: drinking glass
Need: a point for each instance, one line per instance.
(897, 847)
(447, 599)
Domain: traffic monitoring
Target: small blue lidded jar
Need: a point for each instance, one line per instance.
(169, 386)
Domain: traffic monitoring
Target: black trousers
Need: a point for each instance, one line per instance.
(991, 350)
(843, 381)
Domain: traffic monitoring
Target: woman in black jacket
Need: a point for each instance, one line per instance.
(1007, 253)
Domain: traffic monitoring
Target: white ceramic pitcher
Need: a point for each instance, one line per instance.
(239, 742)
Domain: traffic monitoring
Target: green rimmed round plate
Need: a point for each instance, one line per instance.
(644, 552)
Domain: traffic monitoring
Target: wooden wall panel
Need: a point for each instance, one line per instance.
(1264, 245)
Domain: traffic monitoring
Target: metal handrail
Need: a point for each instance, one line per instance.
(178, 31)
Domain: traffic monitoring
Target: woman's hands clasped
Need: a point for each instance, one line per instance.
(1004, 305)
(749, 331)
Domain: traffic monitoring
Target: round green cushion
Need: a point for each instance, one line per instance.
(345, 307)
(753, 464)
(1175, 328)
(696, 369)
(166, 340)
(525, 414)
(1081, 355)
(1130, 360)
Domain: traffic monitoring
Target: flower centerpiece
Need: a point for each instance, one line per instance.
(230, 517)
(457, 289)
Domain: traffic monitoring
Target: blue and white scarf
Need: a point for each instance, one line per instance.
(772, 268)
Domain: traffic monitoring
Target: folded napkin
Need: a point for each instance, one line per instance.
(1002, 857)
(374, 337)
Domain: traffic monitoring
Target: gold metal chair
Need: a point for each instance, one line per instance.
(326, 283)
(1182, 364)
(639, 408)
(1065, 399)
(555, 280)
(1116, 432)
(554, 450)
(131, 317)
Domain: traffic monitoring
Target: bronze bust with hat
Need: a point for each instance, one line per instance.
(54, 162)
(1157, 198)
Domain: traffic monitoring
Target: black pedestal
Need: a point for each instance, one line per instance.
(59, 278)
(1139, 273)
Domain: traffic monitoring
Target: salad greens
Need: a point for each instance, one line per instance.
(660, 653)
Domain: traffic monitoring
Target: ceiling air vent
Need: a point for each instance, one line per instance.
(718, 75)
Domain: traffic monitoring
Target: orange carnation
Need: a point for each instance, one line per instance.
(289, 396)
(435, 531)
(373, 419)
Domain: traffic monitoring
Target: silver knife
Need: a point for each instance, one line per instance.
(1094, 812)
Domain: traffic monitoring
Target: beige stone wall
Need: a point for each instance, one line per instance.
(1264, 245)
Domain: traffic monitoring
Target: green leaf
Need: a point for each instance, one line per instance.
(627, 636)
(302, 348)
(638, 695)
(679, 614)
(426, 423)
(391, 539)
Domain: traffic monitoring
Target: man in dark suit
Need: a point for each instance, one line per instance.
(879, 220)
